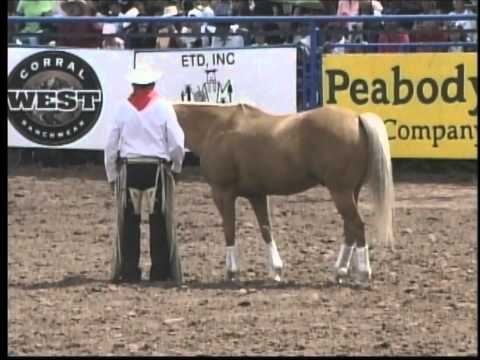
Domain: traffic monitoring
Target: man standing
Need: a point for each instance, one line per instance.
(144, 140)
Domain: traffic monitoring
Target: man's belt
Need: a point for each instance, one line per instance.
(142, 160)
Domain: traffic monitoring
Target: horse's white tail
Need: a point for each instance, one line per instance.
(379, 176)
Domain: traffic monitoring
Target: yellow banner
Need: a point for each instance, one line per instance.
(428, 101)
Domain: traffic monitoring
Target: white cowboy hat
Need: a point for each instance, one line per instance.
(142, 75)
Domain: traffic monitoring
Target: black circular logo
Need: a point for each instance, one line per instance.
(54, 98)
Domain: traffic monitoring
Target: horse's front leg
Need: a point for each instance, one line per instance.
(260, 206)
(225, 202)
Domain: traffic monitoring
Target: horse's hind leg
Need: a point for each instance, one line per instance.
(261, 208)
(346, 203)
(225, 202)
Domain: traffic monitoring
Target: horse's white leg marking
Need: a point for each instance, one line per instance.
(231, 262)
(261, 207)
(343, 261)
(275, 263)
(361, 270)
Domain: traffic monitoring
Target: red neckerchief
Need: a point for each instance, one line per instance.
(140, 98)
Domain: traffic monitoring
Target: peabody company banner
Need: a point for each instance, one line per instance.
(266, 77)
(67, 98)
(428, 101)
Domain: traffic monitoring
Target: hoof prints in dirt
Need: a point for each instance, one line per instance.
(61, 303)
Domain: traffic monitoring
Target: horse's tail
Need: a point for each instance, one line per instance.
(379, 176)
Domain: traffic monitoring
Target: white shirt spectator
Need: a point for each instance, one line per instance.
(230, 41)
(208, 12)
(189, 40)
(466, 24)
(226, 34)
(111, 42)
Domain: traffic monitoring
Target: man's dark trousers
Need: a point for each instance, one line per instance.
(141, 177)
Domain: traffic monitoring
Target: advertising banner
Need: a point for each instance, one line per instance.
(64, 98)
(265, 77)
(67, 98)
(428, 101)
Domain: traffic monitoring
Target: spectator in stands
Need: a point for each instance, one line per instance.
(110, 41)
(299, 33)
(402, 7)
(320, 7)
(34, 8)
(137, 35)
(142, 34)
(394, 33)
(359, 7)
(166, 33)
(187, 5)
(469, 26)
(226, 36)
(114, 9)
(206, 8)
(267, 33)
(85, 35)
(429, 31)
(241, 8)
(301, 36)
(371, 29)
(456, 33)
(352, 7)
(203, 9)
(194, 37)
(13, 28)
(474, 6)
(329, 7)
(366, 32)
(335, 33)
(223, 8)
(266, 8)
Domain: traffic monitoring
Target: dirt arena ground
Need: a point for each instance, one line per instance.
(423, 299)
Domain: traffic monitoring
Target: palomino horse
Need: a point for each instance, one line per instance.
(246, 152)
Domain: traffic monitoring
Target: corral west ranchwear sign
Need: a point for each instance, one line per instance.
(64, 98)
(428, 100)
(54, 98)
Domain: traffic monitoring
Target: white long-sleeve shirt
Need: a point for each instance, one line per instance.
(153, 131)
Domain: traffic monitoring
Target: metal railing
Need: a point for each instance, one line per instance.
(311, 76)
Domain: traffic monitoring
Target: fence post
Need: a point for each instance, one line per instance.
(320, 41)
(313, 65)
